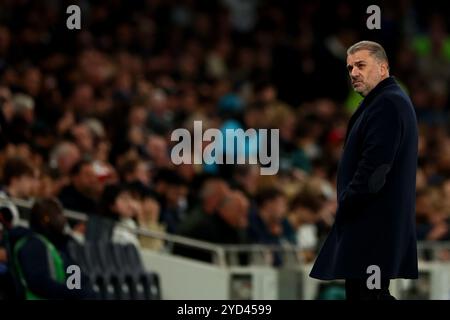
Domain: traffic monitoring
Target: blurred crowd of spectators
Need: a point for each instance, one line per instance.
(86, 115)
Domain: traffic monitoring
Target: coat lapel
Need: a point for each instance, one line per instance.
(372, 94)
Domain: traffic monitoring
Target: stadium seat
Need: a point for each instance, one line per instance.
(112, 271)
(149, 280)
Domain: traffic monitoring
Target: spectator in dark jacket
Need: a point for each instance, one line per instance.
(269, 225)
(80, 194)
(40, 255)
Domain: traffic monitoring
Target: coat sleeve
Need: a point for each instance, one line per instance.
(381, 140)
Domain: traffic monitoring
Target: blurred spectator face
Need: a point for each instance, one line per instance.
(124, 82)
(248, 178)
(125, 205)
(95, 67)
(307, 215)
(213, 193)
(86, 180)
(268, 94)
(102, 150)
(139, 172)
(136, 135)
(157, 149)
(24, 107)
(186, 170)
(150, 210)
(67, 155)
(47, 187)
(158, 101)
(20, 178)
(287, 129)
(175, 194)
(252, 118)
(424, 204)
(84, 138)
(7, 106)
(5, 39)
(276, 207)
(142, 173)
(365, 71)
(47, 215)
(421, 179)
(138, 116)
(235, 210)
(32, 81)
(24, 186)
(83, 98)
(443, 161)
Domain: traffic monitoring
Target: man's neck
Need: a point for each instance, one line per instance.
(381, 80)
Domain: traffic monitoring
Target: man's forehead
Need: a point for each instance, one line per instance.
(358, 56)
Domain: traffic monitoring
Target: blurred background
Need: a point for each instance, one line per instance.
(86, 117)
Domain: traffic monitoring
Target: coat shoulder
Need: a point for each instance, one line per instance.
(392, 100)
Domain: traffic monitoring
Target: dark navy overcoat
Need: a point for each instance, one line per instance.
(376, 192)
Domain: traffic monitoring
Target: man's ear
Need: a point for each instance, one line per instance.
(45, 219)
(384, 68)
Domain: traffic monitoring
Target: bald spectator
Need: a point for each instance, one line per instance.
(212, 193)
(20, 128)
(64, 156)
(226, 226)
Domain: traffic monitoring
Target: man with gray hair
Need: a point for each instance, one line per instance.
(373, 238)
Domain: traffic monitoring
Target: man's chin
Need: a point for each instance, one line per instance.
(360, 91)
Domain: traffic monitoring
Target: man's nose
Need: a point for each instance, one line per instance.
(354, 72)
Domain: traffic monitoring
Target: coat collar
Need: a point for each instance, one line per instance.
(366, 101)
(378, 88)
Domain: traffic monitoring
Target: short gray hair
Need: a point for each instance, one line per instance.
(375, 49)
